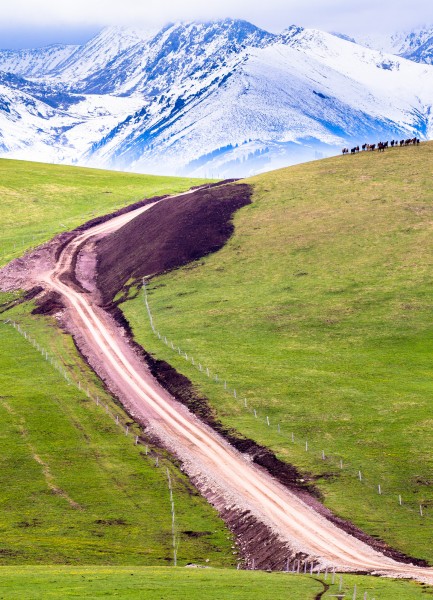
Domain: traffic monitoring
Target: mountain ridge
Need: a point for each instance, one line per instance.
(222, 98)
(412, 45)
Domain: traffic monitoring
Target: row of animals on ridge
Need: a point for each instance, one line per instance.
(381, 146)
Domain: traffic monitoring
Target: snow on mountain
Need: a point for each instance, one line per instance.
(98, 53)
(171, 56)
(406, 43)
(392, 79)
(34, 63)
(285, 102)
(424, 53)
(32, 129)
(27, 123)
(223, 98)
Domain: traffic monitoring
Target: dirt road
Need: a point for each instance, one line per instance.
(202, 451)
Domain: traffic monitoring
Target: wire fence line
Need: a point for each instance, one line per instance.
(320, 454)
(328, 576)
(125, 427)
(296, 566)
(175, 537)
(69, 380)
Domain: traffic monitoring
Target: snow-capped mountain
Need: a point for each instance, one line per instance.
(416, 45)
(423, 53)
(222, 98)
(124, 60)
(35, 63)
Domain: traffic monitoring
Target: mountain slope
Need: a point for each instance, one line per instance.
(284, 102)
(223, 98)
(97, 54)
(407, 43)
(424, 53)
(26, 121)
(318, 313)
(173, 56)
(35, 62)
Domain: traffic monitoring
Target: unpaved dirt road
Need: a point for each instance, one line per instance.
(200, 448)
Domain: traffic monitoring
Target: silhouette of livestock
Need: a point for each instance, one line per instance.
(382, 146)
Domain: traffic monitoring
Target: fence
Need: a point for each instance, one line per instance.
(294, 567)
(379, 487)
(125, 427)
(331, 576)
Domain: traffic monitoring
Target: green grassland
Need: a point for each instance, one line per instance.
(36, 583)
(74, 489)
(40, 200)
(319, 312)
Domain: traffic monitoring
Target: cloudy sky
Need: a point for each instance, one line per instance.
(29, 23)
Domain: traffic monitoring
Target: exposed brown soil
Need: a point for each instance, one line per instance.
(260, 547)
(173, 233)
(117, 213)
(29, 295)
(48, 304)
(140, 203)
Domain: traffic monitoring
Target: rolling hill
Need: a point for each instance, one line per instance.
(317, 313)
(74, 488)
(101, 471)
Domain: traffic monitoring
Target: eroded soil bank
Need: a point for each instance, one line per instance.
(174, 233)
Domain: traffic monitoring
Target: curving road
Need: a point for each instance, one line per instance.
(199, 446)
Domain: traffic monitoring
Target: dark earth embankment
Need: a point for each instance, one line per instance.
(175, 232)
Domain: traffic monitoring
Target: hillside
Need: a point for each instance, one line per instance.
(317, 312)
(39, 201)
(74, 488)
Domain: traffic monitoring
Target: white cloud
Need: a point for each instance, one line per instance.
(275, 15)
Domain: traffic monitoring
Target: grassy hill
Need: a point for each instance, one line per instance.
(318, 312)
(74, 489)
(40, 200)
